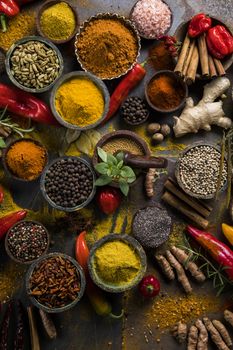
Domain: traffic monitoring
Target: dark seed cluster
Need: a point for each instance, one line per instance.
(134, 110)
(68, 182)
(27, 241)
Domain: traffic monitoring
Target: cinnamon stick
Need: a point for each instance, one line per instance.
(35, 345)
(192, 69)
(182, 55)
(188, 59)
(203, 54)
(185, 209)
(212, 69)
(219, 67)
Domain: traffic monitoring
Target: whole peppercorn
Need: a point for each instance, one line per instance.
(157, 138)
(165, 129)
(134, 110)
(153, 128)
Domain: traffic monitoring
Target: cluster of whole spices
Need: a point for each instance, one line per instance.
(104, 171)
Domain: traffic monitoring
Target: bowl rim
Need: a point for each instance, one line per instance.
(177, 172)
(109, 15)
(37, 263)
(137, 248)
(29, 262)
(43, 40)
(175, 77)
(99, 84)
(144, 36)
(53, 204)
(4, 161)
(48, 4)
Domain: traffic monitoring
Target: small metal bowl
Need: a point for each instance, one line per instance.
(142, 35)
(136, 247)
(175, 77)
(63, 308)
(53, 204)
(9, 251)
(47, 5)
(100, 85)
(23, 41)
(128, 24)
(177, 171)
(4, 159)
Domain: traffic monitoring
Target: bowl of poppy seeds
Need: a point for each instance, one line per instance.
(68, 183)
(151, 226)
(26, 241)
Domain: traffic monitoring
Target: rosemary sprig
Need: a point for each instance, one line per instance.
(6, 121)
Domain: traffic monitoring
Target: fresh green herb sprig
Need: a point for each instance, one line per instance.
(112, 168)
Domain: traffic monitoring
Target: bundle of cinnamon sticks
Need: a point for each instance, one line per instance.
(193, 52)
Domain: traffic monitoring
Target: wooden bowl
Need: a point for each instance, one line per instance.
(48, 4)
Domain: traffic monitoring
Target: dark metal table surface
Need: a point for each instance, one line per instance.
(80, 328)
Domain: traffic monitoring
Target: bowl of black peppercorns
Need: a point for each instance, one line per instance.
(134, 111)
(68, 183)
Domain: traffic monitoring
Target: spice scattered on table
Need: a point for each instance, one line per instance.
(34, 64)
(151, 226)
(152, 18)
(160, 58)
(55, 282)
(25, 159)
(134, 110)
(107, 48)
(58, 21)
(79, 102)
(27, 241)
(68, 182)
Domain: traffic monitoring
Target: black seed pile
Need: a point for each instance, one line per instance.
(134, 110)
(68, 182)
(27, 241)
(151, 226)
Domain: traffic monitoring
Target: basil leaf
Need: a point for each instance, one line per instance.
(115, 171)
(103, 180)
(124, 187)
(120, 156)
(2, 143)
(111, 159)
(102, 154)
(120, 164)
(131, 179)
(102, 168)
(126, 171)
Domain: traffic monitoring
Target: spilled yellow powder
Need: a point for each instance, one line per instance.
(73, 151)
(10, 275)
(8, 204)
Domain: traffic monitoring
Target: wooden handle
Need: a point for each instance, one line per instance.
(35, 344)
(144, 162)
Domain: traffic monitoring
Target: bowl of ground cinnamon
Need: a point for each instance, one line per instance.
(166, 92)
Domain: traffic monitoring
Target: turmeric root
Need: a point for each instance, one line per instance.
(182, 278)
(214, 334)
(223, 331)
(165, 266)
(149, 183)
(202, 343)
(179, 331)
(183, 258)
(192, 338)
(228, 315)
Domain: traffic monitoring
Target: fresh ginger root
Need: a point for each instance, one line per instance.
(215, 335)
(183, 258)
(202, 343)
(223, 331)
(165, 266)
(228, 315)
(179, 331)
(206, 112)
(149, 182)
(192, 338)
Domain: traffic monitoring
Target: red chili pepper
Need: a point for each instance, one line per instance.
(1, 194)
(82, 251)
(8, 8)
(6, 222)
(26, 105)
(149, 286)
(219, 42)
(108, 199)
(122, 90)
(199, 24)
(219, 251)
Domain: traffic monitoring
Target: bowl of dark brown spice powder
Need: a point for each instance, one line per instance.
(55, 282)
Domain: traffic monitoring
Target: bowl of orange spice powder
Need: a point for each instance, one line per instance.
(25, 159)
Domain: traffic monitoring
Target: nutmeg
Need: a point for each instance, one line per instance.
(165, 129)
(157, 138)
(153, 128)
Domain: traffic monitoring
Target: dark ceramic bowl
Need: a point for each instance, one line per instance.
(18, 261)
(100, 85)
(136, 246)
(178, 80)
(63, 308)
(53, 204)
(48, 4)
(4, 161)
(142, 35)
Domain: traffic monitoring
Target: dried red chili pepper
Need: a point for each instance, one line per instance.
(5, 327)
(26, 105)
(219, 42)
(1, 194)
(8, 8)
(132, 79)
(6, 222)
(219, 251)
(199, 24)
(108, 199)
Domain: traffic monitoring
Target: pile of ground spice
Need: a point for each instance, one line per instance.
(122, 144)
(107, 48)
(160, 58)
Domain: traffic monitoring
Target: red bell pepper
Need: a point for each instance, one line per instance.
(6, 222)
(219, 42)
(199, 24)
(127, 84)
(1, 194)
(8, 8)
(108, 199)
(26, 105)
(219, 251)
